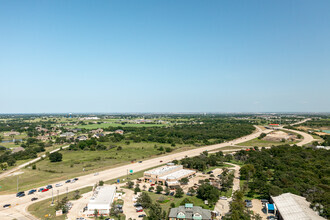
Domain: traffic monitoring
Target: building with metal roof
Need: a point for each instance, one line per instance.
(101, 200)
(189, 211)
(170, 174)
(292, 207)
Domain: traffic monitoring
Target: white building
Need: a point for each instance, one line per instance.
(170, 174)
(101, 200)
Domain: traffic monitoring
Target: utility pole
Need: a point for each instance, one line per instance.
(66, 192)
(127, 175)
(17, 183)
(58, 199)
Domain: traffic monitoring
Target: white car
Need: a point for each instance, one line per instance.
(73, 181)
(59, 184)
(223, 198)
(95, 174)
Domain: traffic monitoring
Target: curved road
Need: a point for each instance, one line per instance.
(19, 205)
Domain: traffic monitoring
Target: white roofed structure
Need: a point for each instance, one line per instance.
(101, 200)
(293, 207)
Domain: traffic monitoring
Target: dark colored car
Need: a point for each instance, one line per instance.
(209, 172)
(40, 190)
(49, 187)
(7, 206)
(68, 181)
(34, 199)
(75, 179)
(32, 191)
(141, 216)
(19, 193)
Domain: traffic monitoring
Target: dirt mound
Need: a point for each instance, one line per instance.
(279, 136)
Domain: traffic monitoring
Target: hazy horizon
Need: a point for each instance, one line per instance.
(164, 56)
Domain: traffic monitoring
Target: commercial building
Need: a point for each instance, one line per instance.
(101, 201)
(189, 211)
(169, 174)
(292, 207)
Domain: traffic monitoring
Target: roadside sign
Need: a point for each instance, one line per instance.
(118, 180)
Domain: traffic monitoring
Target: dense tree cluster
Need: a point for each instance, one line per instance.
(210, 132)
(281, 169)
(203, 161)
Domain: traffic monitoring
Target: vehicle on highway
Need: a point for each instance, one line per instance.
(34, 199)
(7, 206)
(45, 190)
(59, 184)
(140, 161)
(141, 216)
(19, 193)
(32, 191)
(40, 190)
(160, 161)
(49, 187)
(95, 174)
(68, 181)
(75, 179)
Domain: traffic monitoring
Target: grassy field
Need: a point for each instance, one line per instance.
(263, 143)
(43, 208)
(112, 124)
(75, 161)
(167, 200)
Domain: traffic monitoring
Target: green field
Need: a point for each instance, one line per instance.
(75, 161)
(43, 208)
(169, 199)
(263, 143)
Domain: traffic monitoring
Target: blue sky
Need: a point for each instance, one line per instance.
(164, 56)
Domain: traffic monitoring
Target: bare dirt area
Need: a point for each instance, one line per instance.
(278, 136)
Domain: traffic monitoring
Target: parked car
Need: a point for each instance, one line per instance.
(68, 181)
(34, 199)
(152, 184)
(248, 203)
(45, 190)
(210, 172)
(49, 187)
(137, 204)
(171, 193)
(141, 216)
(59, 184)
(223, 198)
(7, 206)
(32, 191)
